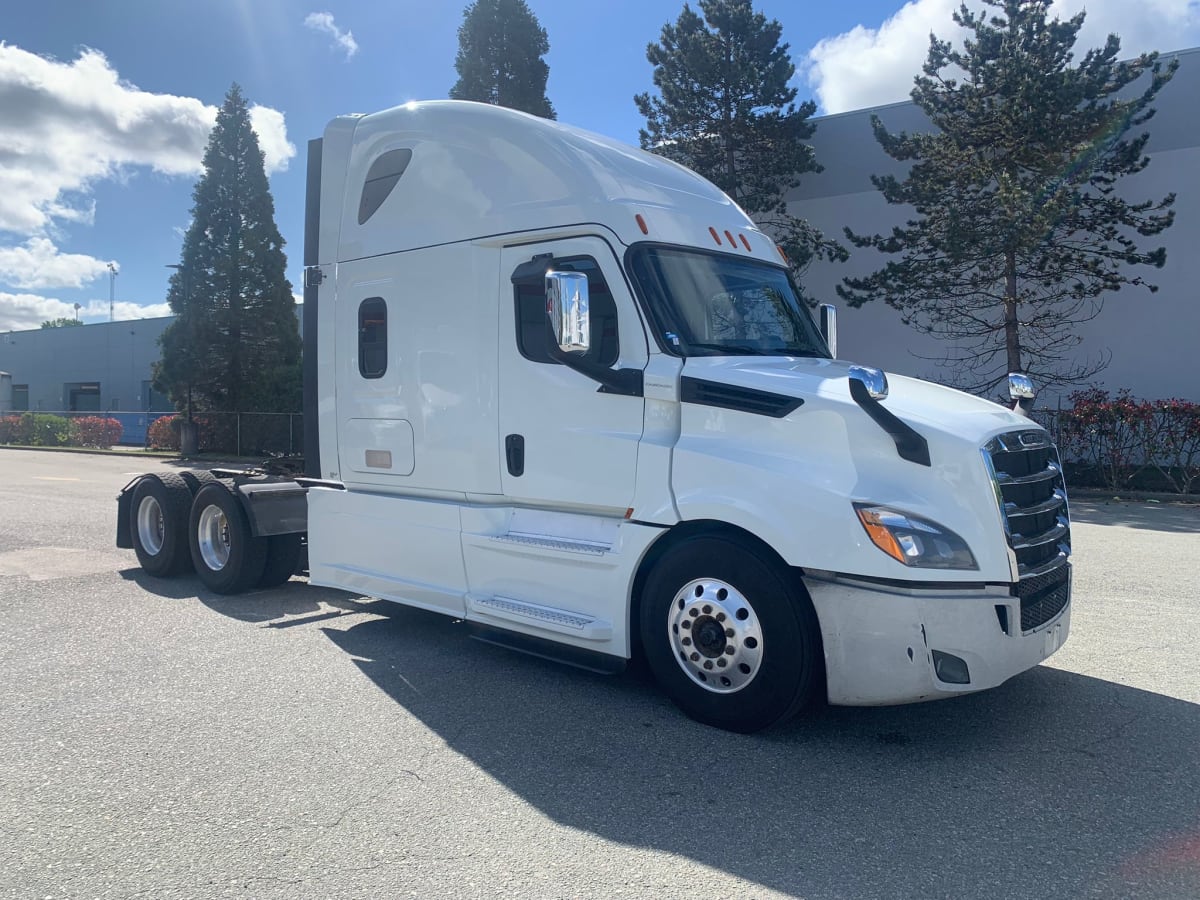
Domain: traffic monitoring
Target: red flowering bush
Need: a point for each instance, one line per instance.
(8, 429)
(1120, 438)
(95, 431)
(1175, 443)
(163, 433)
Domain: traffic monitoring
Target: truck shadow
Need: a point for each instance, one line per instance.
(1053, 785)
(293, 602)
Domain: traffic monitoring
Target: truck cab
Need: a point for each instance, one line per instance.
(567, 392)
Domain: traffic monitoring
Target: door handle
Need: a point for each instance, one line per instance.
(514, 454)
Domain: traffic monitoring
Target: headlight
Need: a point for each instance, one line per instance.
(914, 541)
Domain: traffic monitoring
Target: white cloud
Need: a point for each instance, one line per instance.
(868, 66)
(39, 264)
(68, 124)
(323, 22)
(19, 312)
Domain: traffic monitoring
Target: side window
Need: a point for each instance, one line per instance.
(372, 337)
(533, 329)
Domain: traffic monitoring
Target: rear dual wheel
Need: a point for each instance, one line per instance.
(158, 524)
(227, 555)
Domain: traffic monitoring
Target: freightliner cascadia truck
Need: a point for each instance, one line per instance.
(567, 392)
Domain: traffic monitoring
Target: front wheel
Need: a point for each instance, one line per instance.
(730, 634)
(228, 557)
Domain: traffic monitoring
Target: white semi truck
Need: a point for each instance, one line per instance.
(566, 391)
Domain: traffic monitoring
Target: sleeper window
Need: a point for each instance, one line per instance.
(372, 337)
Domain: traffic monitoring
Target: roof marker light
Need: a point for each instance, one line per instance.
(732, 242)
(745, 243)
(782, 254)
(642, 224)
(713, 232)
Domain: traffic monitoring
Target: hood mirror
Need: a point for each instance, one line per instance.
(874, 380)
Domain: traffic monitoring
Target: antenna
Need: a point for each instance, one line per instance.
(112, 288)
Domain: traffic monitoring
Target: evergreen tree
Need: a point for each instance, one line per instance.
(500, 50)
(1019, 230)
(726, 111)
(234, 345)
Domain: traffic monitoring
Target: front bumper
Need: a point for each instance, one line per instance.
(880, 640)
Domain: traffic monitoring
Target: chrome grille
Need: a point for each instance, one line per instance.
(1032, 497)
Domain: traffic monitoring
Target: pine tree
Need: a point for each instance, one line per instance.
(234, 345)
(1018, 230)
(500, 50)
(726, 111)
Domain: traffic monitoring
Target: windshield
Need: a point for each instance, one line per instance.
(708, 304)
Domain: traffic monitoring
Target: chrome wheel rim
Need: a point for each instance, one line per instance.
(715, 635)
(212, 536)
(151, 525)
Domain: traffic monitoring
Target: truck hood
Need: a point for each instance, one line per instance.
(921, 404)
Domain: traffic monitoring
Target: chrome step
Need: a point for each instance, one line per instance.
(548, 617)
(553, 543)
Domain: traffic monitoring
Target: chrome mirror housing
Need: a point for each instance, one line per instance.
(1020, 386)
(874, 380)
(567, 307)
(829, 327)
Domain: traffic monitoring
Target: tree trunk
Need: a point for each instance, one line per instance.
(1012, 334)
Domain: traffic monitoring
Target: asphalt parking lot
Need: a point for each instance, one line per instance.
(161, 741)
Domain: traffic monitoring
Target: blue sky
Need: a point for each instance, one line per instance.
(104, 106)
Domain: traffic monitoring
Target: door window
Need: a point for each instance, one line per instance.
(534, 336)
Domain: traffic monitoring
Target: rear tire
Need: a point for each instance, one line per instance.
(228, 557)
(197, 478)
(283, 559)
(730, 633)
(158, 521)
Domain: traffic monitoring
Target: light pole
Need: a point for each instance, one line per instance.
(112, 291)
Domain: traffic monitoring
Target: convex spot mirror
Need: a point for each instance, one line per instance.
(567, 307)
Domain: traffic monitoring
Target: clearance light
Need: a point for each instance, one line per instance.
(745, 243)
(784, 255)
(914, 541)
(732, 242)
(713, 232)
(642, 224)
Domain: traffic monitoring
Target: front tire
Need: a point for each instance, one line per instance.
(158, 524)
(228, 557)
(730, 634)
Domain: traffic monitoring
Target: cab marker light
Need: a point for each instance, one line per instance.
(642, 224)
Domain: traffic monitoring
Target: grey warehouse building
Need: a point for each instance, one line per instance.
(1152, 338)
(90, 368)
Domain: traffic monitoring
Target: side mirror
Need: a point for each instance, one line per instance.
(1021, 392)
(829, 327)
(1020, 386)
(567, 307)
